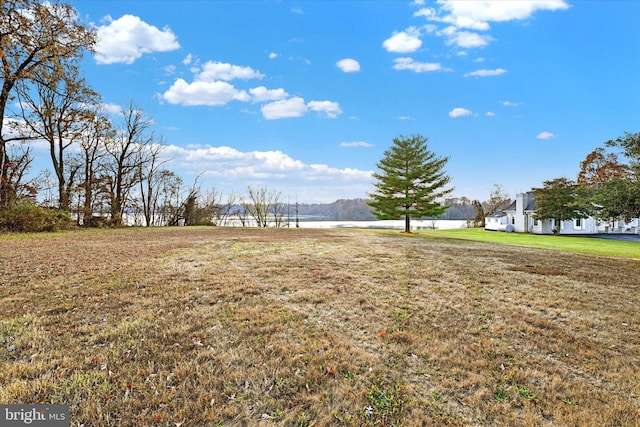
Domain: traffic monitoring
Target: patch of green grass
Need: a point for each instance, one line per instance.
(582, 245)
(501, 394)
(525, 393)
(386, 404)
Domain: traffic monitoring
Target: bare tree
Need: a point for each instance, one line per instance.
(242, 213)
(276, 208)
(55, 111)
(257, 206)
(127, 151)
(36, 41)
(498, 200)
(227, 210)
(150, 181)
(98, 130)
(170, 200)
(16, 186)
(210, 208)
(264, 206)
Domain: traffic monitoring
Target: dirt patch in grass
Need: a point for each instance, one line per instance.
(219, 326)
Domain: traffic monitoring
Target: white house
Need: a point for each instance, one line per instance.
(497, 222)
(519, 217)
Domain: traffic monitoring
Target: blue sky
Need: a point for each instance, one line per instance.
(304, 97)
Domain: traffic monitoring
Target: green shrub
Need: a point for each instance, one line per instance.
(26, 217)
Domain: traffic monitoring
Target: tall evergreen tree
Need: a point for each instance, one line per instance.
(411, 181)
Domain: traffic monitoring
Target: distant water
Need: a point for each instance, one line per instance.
(425, 224)
(390, 225)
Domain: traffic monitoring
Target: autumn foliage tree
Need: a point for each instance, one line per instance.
(613, 182)
(36, 41)
(599, 167)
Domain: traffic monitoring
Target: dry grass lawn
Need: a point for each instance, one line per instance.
(223, 326)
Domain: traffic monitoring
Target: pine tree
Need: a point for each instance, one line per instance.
(411, 181)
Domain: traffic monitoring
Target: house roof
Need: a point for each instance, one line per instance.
(530, 203)
(511, 207)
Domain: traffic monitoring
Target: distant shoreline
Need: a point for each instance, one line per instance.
(440, 224)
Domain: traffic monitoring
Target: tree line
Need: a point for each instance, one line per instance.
(607, 187)
(104, 171)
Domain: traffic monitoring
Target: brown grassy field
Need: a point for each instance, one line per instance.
(215, 326)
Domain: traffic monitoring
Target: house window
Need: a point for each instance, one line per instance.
(536, 222)
(513, 220)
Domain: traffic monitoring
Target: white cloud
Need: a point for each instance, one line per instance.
(486, 73)
(427, 12)
(322, 171)
(210, 86)
(284, 109)
(329, 108)
(213, 70)
(490, 114)
(477, 15)
(356, 144)
(546, 135)
(418, 67)
(404, 41)
(112, 109)
(231, 163)
(187, 59)
(203, 93)
(459, 112)
(348, 65)
(466, 39)
(262, 94)
(127, 38)
(296, 107)
(232, 170)
(273, 55)
(511, 104)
